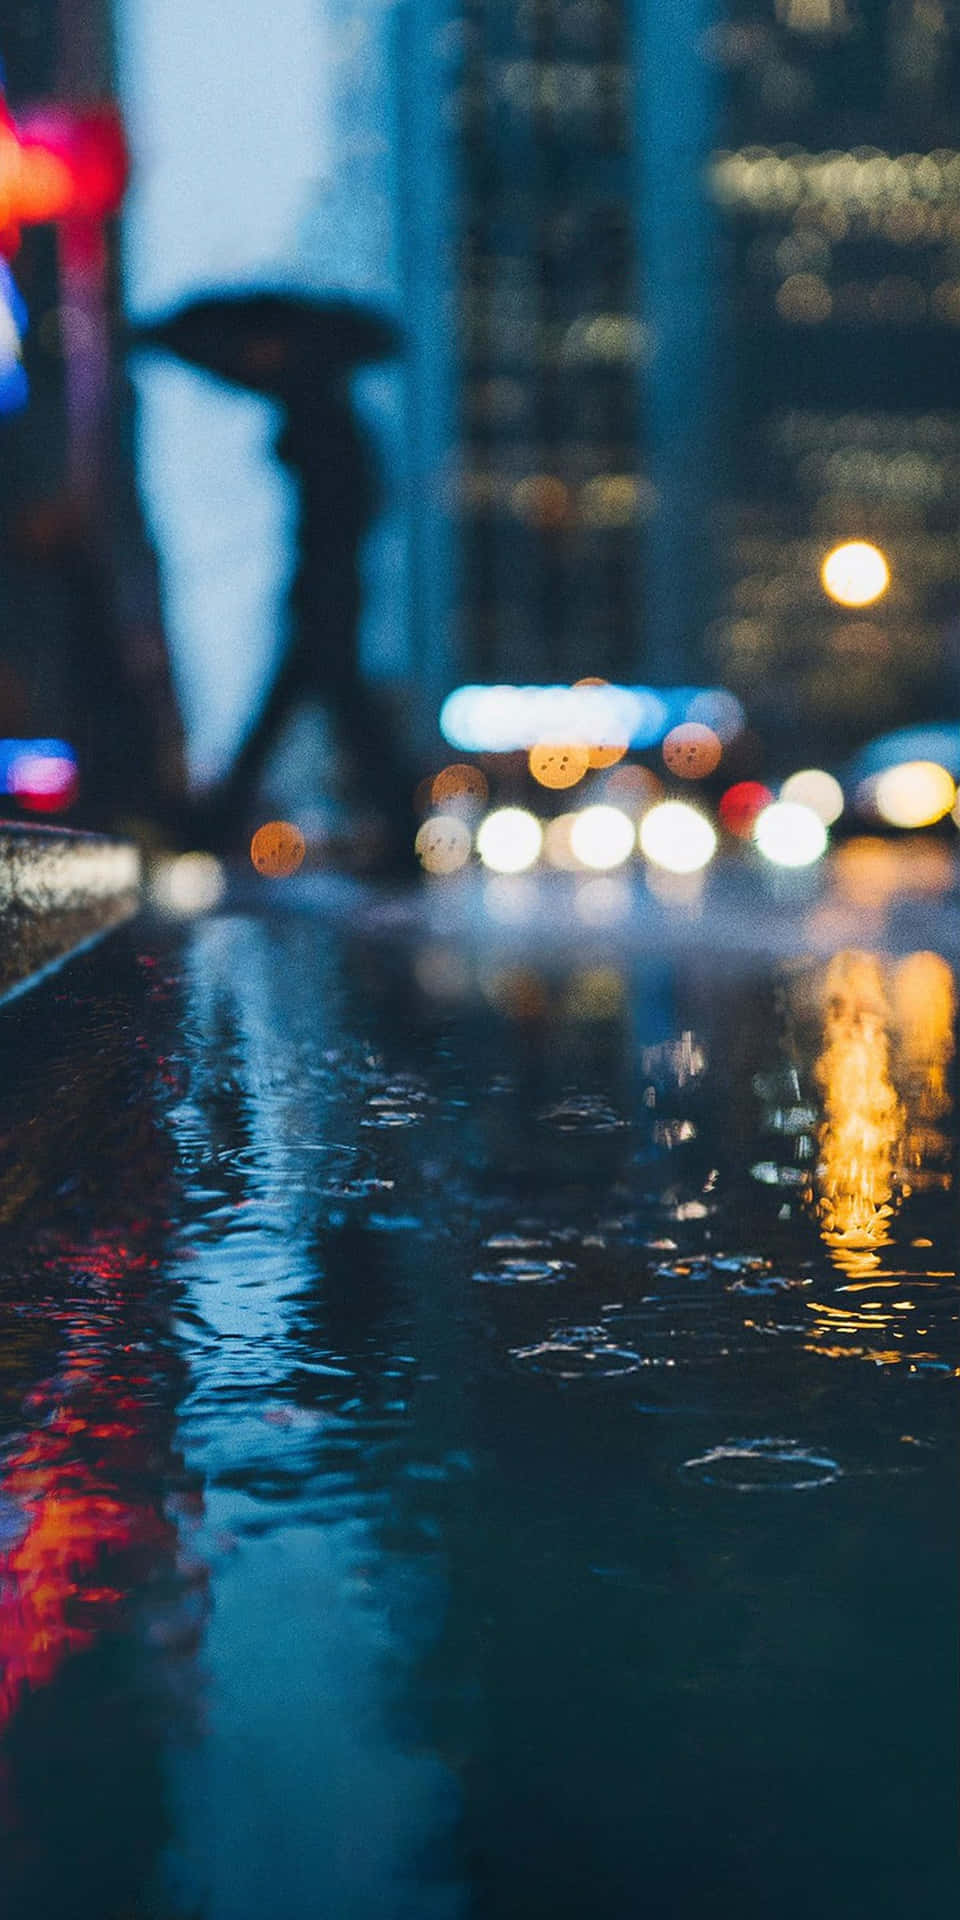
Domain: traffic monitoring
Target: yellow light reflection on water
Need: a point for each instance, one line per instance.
(914, 794)
(855, 573)
(862, 1115)
(924, 1003)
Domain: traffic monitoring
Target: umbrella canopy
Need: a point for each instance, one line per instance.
(270, 342)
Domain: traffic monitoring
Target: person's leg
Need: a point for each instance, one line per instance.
(220, 816)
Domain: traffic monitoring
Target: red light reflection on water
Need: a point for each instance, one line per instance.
(84, 1480)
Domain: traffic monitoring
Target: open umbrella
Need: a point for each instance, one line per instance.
(271, 342)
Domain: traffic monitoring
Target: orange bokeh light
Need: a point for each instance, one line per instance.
(558, 767)
(692, 751)
(277, 849)
(459, 782)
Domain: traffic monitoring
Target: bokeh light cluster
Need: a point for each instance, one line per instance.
(40, 775)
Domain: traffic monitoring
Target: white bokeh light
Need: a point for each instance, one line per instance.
(819, 791)
(677, 837)
(602, 837)
(916, 793)
(789, 835)
(188, 883)
(855, 573)
(509, 840)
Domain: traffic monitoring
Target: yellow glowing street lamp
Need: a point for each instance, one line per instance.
(855, 573)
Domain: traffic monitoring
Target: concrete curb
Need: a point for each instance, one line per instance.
(58, 891)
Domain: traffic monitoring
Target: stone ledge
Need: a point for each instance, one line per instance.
(58, 891)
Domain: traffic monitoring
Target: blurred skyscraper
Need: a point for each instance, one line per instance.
(839, 183)
(568, 273)
(680, 291)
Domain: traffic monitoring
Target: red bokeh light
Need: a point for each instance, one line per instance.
(59, 164)
(44, 783)
(90, 152)
(740, 806)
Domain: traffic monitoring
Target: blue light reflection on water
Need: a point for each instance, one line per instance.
(457, 1619)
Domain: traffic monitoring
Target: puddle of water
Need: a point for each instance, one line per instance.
(382, 1381)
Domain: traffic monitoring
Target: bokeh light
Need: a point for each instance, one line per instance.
(13, 319)
(510, 899)
(692, 751)
(509, 840)
(868, 873)
(718, 709)
(423, 797)
(541, 500)
(602, 837)
(602, 902)
(914, 794)
(598, 993)
(443, 844)
(606, 756)
(188, 883)
(558, 767)
(855, 573)
(602, 753)
(43, 777)
(740, 806)
(678, 892)
(277, 849)
(789, 835)
(557, 849)
(459, 786)
(677, 837)
(442, 973)
(819, 791)
(635, 789)
(506, 719)
(519, 992)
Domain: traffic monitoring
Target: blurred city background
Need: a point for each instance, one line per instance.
(478, 1365)
(669, 308)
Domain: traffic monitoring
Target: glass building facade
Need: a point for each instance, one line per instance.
(838, 184)
(576, 259)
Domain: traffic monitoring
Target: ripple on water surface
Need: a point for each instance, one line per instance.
(582, 1114)
(763, 1466)
(523, 1271)
(578, 1353)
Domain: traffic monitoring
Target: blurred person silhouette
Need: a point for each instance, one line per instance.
(301, 354)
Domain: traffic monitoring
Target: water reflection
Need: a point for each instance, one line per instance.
(865, 1108)
(862, 1115)
(924, 1000)
(381, 1401)
(102, 1601)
